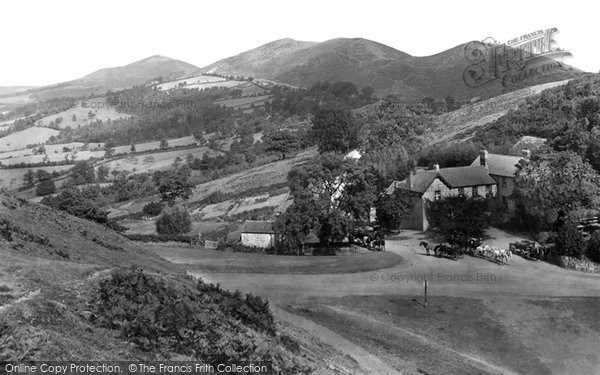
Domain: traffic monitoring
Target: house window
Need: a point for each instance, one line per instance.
(437, 195)
(475, 191)
(488, 191)
(461, 192)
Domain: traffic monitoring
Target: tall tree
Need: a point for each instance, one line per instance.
(555, 184)
(335, 129)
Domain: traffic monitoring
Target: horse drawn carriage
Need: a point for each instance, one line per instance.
(444, 251)
(529, 250)
(373, 238)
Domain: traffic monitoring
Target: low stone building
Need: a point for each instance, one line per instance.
(258, 234)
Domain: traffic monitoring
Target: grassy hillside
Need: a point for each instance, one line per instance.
(368, 63)
(98, 82)
(70, 288)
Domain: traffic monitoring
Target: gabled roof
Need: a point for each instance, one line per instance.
(501, 165)
(453, 177)
(258, 227)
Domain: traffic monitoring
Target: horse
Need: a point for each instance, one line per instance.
(426, 246)
(502, 255)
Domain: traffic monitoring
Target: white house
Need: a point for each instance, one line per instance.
(439, 183)
(258, 234)
(503, 169)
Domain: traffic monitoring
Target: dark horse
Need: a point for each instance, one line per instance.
(427, 249)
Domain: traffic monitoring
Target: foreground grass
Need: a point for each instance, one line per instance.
(200, 259)
(462, 335)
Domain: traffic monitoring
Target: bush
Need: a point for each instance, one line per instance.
(190, 318)
(175, 220)
(569, 240)
(153, 208)
(593, 247)
(45, 187)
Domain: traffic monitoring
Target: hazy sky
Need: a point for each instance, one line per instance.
(45, 42)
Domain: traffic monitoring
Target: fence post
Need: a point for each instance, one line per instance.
(425, 290)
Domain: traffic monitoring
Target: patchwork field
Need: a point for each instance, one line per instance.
(265, 175)
(21, 139)
(55, 156)
(278, 202)
(79, 115)
(155, 161)
(148, 146)
(13, 178)
(196, 80)
(244, 102)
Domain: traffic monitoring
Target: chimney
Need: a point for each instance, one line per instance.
(437, 168)
(483, 158)
(409, 180)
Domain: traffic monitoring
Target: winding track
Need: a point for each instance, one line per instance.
(468, 277)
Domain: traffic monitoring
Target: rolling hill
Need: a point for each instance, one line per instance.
(368, 63)
(98, 82)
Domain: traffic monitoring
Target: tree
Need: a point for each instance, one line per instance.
(163, 145)
(335, 129)
(173, 184)
(45, 187)
(555, 184)
(76, 203)
(174, 220)
(29, 178)
(83, 172)
(42, 175)
(102, 172)
(334, 226)
(393, 208)
(293, 225)
(359, 193)
(282, 142)
(153, 208)
(330, 191)
(458, 216)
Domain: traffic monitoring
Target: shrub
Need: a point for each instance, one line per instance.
(593, 247)
(174, 220)
(45, 187)
(569, 240)
(153, 208)
(189, 318)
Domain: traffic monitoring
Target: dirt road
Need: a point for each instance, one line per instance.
(469, 277)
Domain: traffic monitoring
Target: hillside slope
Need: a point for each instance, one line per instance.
(368, 63)
(98, 82)
(34, 231)
(460, 124)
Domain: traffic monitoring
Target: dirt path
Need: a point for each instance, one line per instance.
(468, 277)
(366, 360)
(477, 362)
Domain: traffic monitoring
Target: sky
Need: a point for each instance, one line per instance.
(46, 42)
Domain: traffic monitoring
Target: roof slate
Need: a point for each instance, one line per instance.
(258, 227)
(501, 165)
(453, 177)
